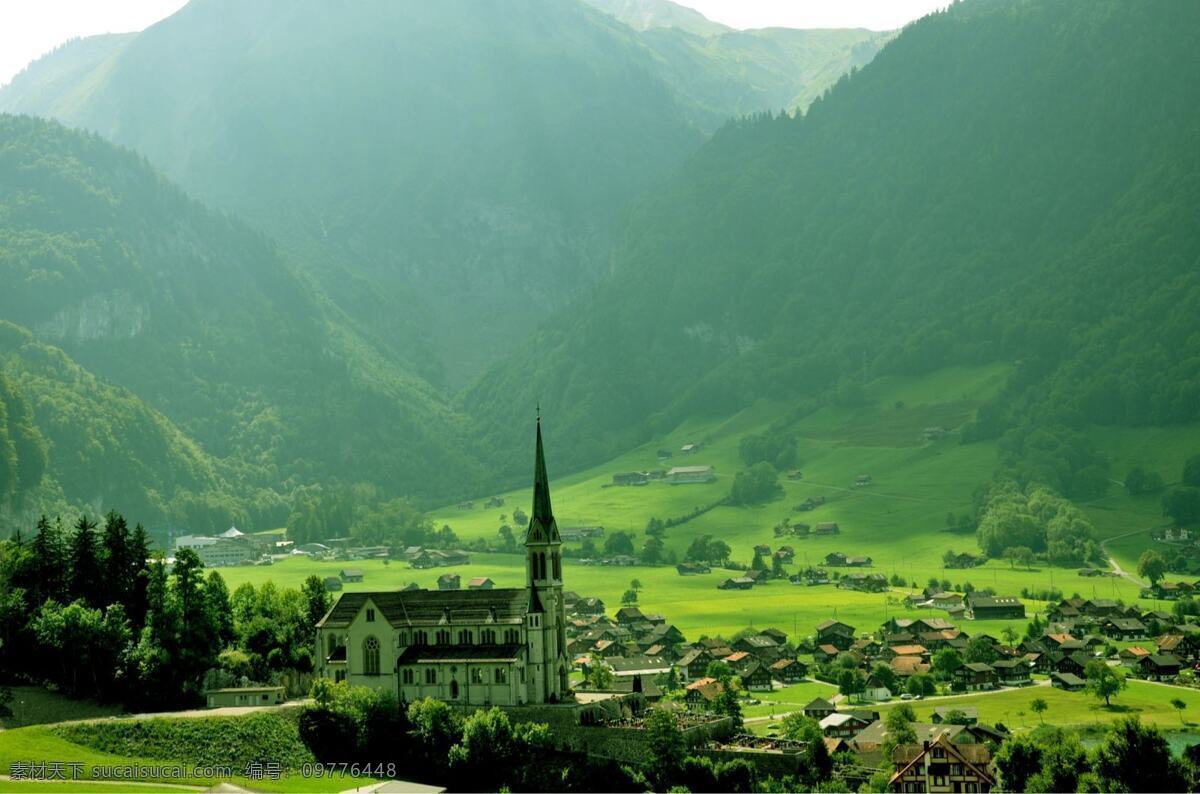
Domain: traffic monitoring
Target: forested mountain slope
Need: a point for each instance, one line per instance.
(450, 171)
(204, 321)
(1006, 180)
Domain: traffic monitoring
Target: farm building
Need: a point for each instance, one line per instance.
(351, 574)
(681, 475)
(981, 607)
(481, 583)
(826, 528)
(449, 581)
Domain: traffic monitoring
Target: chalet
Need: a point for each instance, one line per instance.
(1068, 681)
(789, 671)
(628, 615)
(975, 677)
(624, 666)
(905, 666)
(692, 568)
(681, 475)
(945, 600)
(981, 607)
(942, 766)
(778, 635)
(699, 695)
(826, 528)
(845, 724)
(481, 583)
(449, 581)
(858, 562)
(810, 577)
(893, 651)
(812, 503)
(763, 549)
(946, 638)
(631, 478)
(785, 554)
(694, 663)
(758, 577)
(736, 583)
(862, 480)
(1100, 607)
(667, 634)
(755, 675)
(1123, 628)
(1181, 645)
(825, 653)
(1159, 667)
(589, 606)
(818, 709)
(1132, 656)
(835, 559)
(1012, 672)
(835, 633)
(1074, 663)
(351, 574)
(332, 584)
(966, 715)
(760, 647)
(869, 647)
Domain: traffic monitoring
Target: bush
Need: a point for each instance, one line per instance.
(759, 483)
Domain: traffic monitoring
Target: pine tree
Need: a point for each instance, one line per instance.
(85, 567)
(139, 576)
(49, 561)
(114, 563)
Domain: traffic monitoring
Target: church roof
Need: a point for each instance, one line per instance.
(428, 607)
(542, 526)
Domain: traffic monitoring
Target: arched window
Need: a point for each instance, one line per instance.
(557, 566)
(443, 636)
(512, 636)
(487, 637)
(464, 637)
(402, 640)
(370, 656)
(542, 565)
(420, 638)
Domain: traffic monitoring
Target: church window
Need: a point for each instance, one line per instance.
(420, 638)
(370, 616)
(402, 639)
(542, 565)
(431, 675)
(465, 638)
(407, 675)
(476, 675)
(370, 656)
(333, 644)
(487, 637)
(443, 637)
(557, 566)
(512, 636)
(501, 675)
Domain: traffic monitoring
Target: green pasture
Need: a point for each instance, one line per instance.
(1150, 702)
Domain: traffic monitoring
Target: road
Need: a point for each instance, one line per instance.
(1116, 566)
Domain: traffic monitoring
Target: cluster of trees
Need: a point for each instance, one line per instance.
(1132, 757)
(23, 450)
(1182, 504)
(709, 550)
(775, 448)
(755, 484)
(1033, 518)
(93, 611)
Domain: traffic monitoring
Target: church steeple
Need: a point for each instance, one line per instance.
(542, 526)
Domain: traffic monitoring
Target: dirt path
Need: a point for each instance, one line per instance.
(1112, 561)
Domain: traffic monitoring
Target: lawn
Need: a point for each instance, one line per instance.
(1149, 701)
(788, 699)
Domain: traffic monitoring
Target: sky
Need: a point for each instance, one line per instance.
(31, 28)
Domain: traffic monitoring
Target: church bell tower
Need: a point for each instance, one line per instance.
(545, 619)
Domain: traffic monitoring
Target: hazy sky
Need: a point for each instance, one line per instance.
(31, 28)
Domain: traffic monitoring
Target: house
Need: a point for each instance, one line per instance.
(905, 666)
(975, 677)
(785, 554)
(763, 549)
(981, 607)
(755, 675)
(681, 475)
(858, 562)
(694, 664)
(845, 724)
(699, 695)
(869, 647)
(760, 646)
(351, 574)
(737, 583)
(1012, 672)
(826, 528)
(1132, 656)
(862, 480)
(1159, 667)
(945, 600)
(481, 583)
(1181, 645)
(865, 582)
(876, 690)
(942, 766)
(692, 568)
(967, 715)
(625, 666)
(825, 653)
(589, 606)
(689, 448)
(1074, 663)
(631, 478)
(834, 632)
(1100, 607)
(789, 671)
(810, 577)
(627, 616)
(893, 651)
(449, 581)
(1067, 681)
(758, 577)
(818, 709)
(244, 696)
(779, 636)
(1123, 628)
(332, 584)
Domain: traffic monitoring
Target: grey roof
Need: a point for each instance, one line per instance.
(427, 607)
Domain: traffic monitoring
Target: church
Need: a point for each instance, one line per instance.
(472, 647)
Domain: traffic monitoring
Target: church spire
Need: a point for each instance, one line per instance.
(542, 526)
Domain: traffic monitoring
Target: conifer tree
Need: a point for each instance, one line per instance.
(49, 558)
(85, 566)
(114, 560)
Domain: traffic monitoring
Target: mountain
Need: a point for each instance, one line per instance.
(643, 15)
(449, 172)
(1005, 181)
(204, 321)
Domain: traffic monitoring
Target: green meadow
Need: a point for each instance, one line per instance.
(899, 520)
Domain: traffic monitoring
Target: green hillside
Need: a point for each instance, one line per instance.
(205, 322)
(1004, 182)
